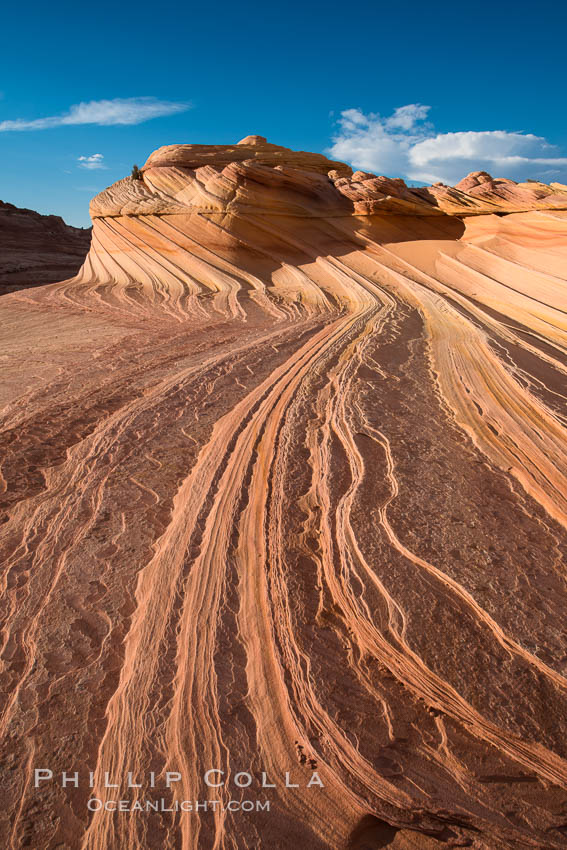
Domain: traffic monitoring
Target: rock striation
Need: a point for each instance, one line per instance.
(255, 176)
(283, 486)
(37, 249)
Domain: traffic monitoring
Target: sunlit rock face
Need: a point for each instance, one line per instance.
(283, 492)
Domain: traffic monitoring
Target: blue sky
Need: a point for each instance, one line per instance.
(418, 90)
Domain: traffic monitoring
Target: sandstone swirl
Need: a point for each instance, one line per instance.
(283, 490)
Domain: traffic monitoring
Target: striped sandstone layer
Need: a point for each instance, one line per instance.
(284, 490)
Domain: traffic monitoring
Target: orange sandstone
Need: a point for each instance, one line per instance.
(283, 490)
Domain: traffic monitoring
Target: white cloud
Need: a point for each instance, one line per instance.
(406, 117)
(406, 145)
(130, 110)
(91, 162)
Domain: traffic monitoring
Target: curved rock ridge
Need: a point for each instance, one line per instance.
(285, 495)
(255, 175)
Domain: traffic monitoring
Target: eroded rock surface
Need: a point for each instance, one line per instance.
(283, 490)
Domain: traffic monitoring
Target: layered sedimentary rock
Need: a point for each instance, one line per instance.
(284, 494)
(37, 249)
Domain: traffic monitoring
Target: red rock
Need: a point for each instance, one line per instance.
(37, 249)
(283, 490)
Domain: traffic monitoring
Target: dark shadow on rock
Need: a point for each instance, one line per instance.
(371, 833)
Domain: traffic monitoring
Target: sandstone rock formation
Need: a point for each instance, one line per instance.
(284, 491)
(37, 249)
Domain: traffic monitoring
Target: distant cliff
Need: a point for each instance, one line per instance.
(37, 249)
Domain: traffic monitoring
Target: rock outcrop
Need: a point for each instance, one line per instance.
(479, 193)
(37, 249)
(255, 176)
(284, 496)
